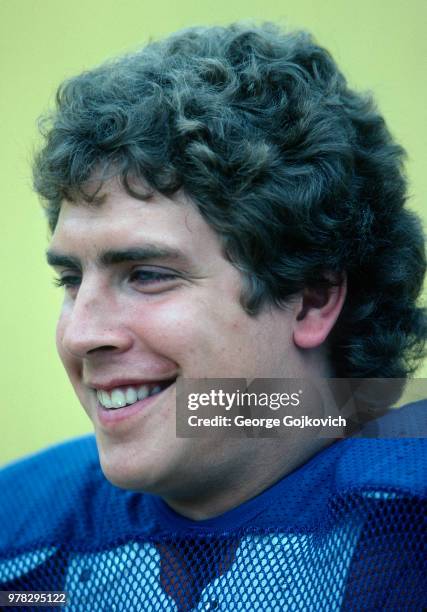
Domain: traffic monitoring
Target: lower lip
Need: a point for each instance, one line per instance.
(110, 418)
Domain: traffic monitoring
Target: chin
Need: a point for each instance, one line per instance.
(126, 481)
(121, 469)
(127, 478)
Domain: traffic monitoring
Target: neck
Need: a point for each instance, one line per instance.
(263, 463)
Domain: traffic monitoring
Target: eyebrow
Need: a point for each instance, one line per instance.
(118, 256)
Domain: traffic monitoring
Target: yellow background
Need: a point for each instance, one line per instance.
(380, 45)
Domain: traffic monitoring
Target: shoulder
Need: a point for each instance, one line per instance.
(43, 493)
(41, 472)
(388, 458)
(383, 464)
(83, 447)
(382, 484)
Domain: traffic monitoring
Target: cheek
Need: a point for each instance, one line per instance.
(59, 334)
(196, 332)
(58, 337)
(173, 331)
(68, 361)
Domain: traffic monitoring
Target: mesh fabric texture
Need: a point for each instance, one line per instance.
(347, 531)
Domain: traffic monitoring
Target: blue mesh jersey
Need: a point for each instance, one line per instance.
(346, 531)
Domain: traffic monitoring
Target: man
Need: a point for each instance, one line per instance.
(222, 205)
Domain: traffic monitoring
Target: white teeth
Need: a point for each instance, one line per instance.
(131, 395)
(118, 398)
(105, 399)
(143, 392)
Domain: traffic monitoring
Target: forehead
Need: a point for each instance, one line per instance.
(122, 220)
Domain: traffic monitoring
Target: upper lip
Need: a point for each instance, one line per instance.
(111, 383)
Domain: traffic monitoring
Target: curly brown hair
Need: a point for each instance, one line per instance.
(296, 172)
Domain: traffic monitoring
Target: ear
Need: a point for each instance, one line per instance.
(317, 311)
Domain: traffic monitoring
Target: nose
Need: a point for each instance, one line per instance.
(93, 323)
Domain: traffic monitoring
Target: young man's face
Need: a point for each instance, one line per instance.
(150, 298)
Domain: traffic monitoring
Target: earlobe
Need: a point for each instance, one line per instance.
(317, 312)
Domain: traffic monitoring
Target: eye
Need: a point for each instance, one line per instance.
(155, 279)
(69, 281)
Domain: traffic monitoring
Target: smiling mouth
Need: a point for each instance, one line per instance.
(120, 397)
